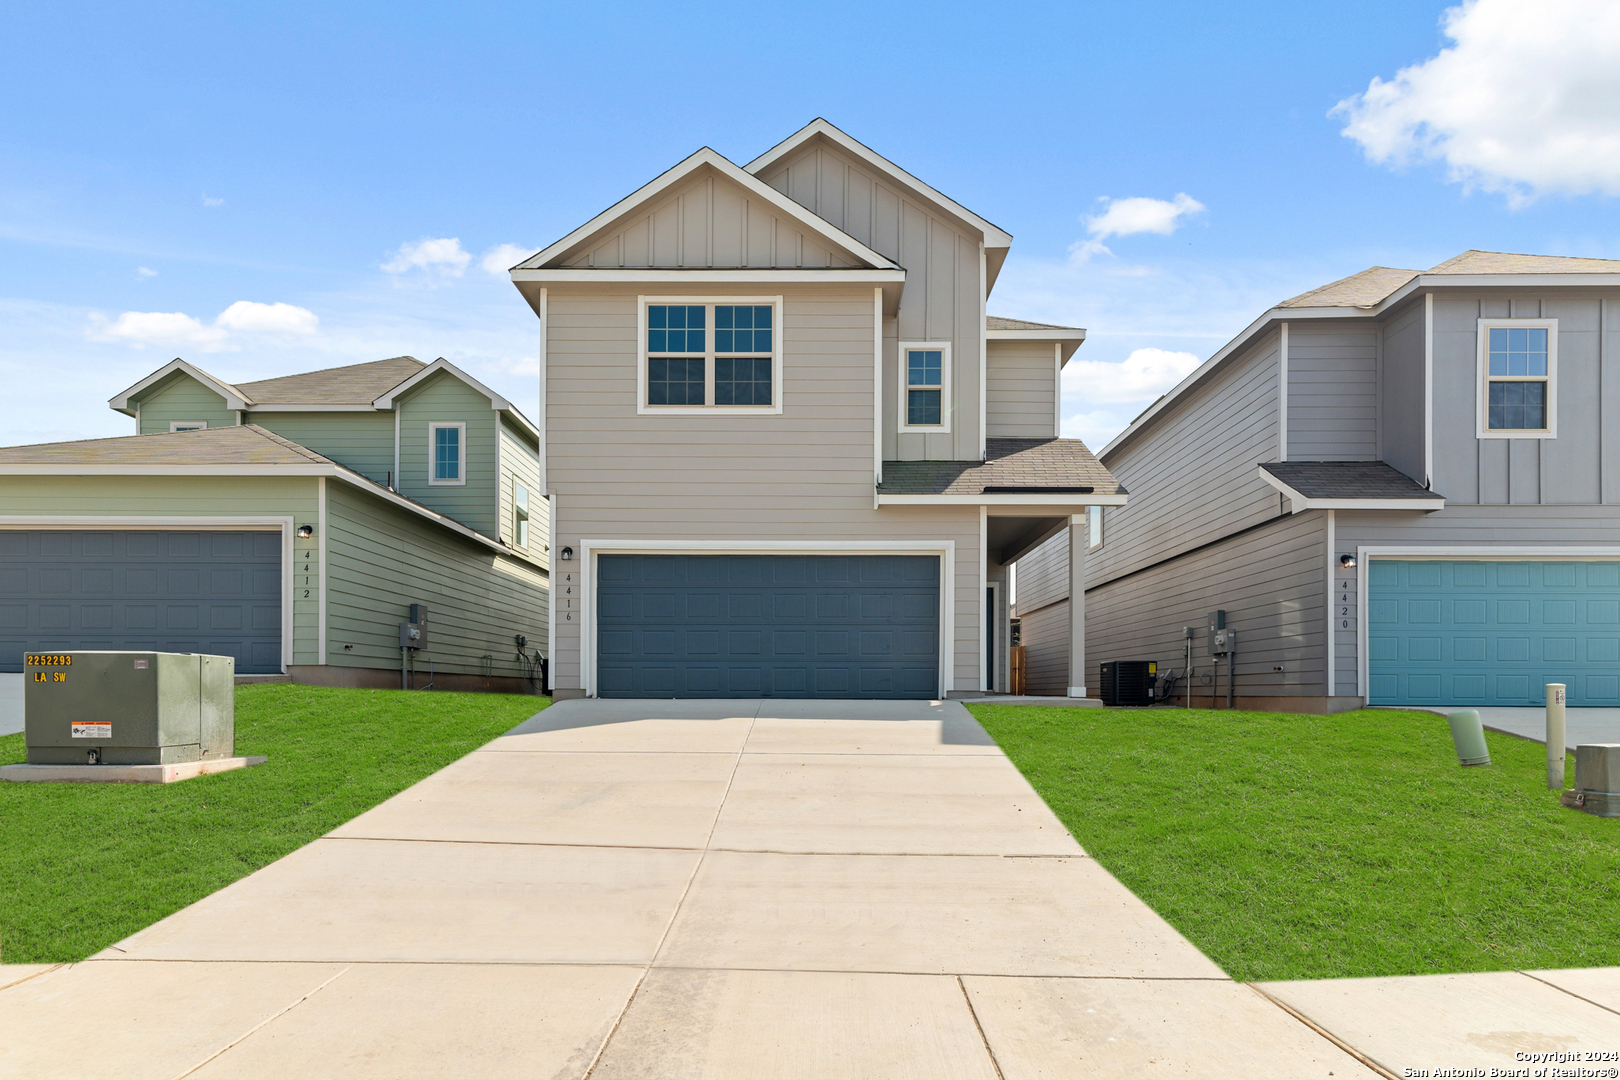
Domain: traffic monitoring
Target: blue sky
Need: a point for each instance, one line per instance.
(161, 163)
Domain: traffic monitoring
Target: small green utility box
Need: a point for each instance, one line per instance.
(128, 708)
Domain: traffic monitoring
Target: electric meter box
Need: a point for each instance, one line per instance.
(131, 708)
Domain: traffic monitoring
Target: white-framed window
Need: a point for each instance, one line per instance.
(1094, 527)
(188, 425)
(447, 452)
(925, 386)
(520, 514)
(709, 354)
(1518, 379)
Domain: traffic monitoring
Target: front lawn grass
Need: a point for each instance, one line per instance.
(1308, 847)
(85, 865)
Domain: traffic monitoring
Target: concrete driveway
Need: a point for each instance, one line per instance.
(672, 890)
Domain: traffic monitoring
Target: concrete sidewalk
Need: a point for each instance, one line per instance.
(718, 890)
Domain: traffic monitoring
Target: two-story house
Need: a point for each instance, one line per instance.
(290, 523)
(1403, 488)
(787, 452)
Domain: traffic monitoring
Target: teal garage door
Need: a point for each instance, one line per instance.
(165, 591)
(1469, 633)
(787, 626)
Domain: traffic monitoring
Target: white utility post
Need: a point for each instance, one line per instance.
(1079, 537)
(1555, 736)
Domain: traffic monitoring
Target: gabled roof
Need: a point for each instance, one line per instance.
(245, 444)
(353, 384)
(241, 450)
(1503, 262)
(994, 235)
(234, 397)
(1045, 467)
(1365, 289)
(703, 158)
(425, 372)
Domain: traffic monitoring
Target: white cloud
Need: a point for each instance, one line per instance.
(250, 317)
(212, 202)
(502, 257)
(142, 328)
(175, 329)
(1524, 102)
(1128, 217)
(443, 255)
(1140, 377)
(145, 272)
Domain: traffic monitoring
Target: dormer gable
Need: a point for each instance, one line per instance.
(706, 213)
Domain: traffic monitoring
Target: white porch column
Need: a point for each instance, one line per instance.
(1079, 537)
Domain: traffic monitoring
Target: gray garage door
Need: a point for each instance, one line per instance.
(796, 626)
(211, 592)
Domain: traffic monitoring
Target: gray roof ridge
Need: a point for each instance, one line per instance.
(339, 367)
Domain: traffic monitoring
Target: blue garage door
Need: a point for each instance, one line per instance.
(795, 626)
(209, 592)
(1492, 633)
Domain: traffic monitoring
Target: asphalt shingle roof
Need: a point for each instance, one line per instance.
(996, 322)
(1012, 465)
(247, 444)
(1375, 284)
(1347, 480)
(354, 384)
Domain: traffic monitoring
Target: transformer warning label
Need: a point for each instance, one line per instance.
(93, 730)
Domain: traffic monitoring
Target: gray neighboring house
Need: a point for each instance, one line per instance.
(1403, 488)
(788, 453)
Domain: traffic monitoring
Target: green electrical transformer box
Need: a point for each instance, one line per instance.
(128, 708)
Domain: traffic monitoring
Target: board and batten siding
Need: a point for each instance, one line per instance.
(803, 475)
(188, 498)
(1192, 476)
(382, 558)
(944, 284)
(1270, 584)
(1581, 465)
(445, 398)
(362, 441)
(520, 464)
(1333, 390)
(710, 221)
(181, 397)
(1020, 390)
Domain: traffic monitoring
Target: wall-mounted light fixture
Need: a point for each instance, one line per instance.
(566, 554)
(305, 532)
(1347, 561)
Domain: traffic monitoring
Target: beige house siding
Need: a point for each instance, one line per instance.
(804, 475)
(944, 292)
(1020, 390)
(710, 222)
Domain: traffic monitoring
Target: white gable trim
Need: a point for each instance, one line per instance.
(234, 398)
(994, 235)
(496, 401)
(669, 179)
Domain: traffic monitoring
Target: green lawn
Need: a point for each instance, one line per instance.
(84, 865)
(1296, 847)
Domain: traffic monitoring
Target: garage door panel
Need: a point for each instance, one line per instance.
(767, 625)
(113, 589)
(1527, 623)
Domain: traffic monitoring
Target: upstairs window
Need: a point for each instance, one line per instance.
(1518, 373)
(447, 449)
(188, 425)
(520, 515)
(925, 384)
(718, 355)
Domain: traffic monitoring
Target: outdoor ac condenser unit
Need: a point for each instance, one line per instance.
(1128, 682)
(128, 708)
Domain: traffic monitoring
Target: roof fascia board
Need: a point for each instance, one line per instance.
(1035, 335)
(994, 236)
(680, 171)
(1035, 499)
(234, 398)
(1301, 502)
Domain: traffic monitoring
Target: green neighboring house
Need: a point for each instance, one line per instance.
(290, 523)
